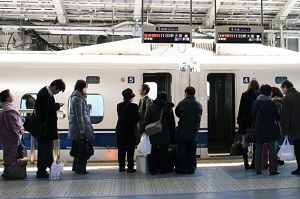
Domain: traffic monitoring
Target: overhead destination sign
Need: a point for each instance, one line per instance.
(171, 35)
(239, 34)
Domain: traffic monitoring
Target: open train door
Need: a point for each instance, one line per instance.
(221, 112)
(158, 82)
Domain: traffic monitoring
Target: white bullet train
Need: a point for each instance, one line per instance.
(219, 83)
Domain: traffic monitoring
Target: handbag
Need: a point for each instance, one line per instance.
(35, 127)
(15, 171)
(82, 148)
(236, 147)
(22, 149)
(154, 127)
(250, 134)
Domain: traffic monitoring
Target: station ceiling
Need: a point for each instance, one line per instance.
(123, 15)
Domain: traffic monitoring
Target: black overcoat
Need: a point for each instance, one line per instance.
(46, 110)
(128, 117)
(167, 136)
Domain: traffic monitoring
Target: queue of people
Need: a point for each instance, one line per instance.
(272, 116)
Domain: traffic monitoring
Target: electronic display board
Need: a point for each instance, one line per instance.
(239, 34)
(170, 35)
(255, 38)
(167, 37)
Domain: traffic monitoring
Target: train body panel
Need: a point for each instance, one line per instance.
(219, 83)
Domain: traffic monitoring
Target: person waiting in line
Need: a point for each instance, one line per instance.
(126, 130)
(80, 126)
(265, 117)
(277, 98)
(46, 108)
(244, 119)
(143, 104)
(290, 115)
(11, 130)
(189, 112)
(158, 158)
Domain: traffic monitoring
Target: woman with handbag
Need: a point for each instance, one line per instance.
(80, 126)
(244, 119)
(160, 109)
(11, 131)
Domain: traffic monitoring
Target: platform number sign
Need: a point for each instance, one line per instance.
(246, 80)
(130, 79)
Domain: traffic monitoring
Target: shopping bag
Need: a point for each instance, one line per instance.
(56, 170)
(15, 171)
(144, 147)
(286, 152)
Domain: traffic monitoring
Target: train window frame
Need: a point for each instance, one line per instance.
(153, 89)
(280, 79)
(93, 79)
(95, 119)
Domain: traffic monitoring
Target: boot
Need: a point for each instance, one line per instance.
(245, 157)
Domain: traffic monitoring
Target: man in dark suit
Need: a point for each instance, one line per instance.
(46, 111)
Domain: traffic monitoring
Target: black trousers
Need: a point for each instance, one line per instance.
(45, 155)
(158, 158)
(124, 148)
(297, 151)
(186, 151)
(79, 165)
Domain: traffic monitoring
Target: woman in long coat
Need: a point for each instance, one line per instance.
(80, 126)
(244, 119)
(158, 158)
(266, 117)
(127, 135)
(11, 128)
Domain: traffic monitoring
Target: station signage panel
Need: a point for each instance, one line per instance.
(239, 34)
(165, 34)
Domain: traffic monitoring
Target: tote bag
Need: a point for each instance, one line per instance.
(35, 127)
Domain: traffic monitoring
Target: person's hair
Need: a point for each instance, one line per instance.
(80, 85)
(4, 95)
(190, 90)
(287, 84)
(265, 89)
(161, 95)
(146, 88)
(253, 86)
(28, 103)
(59, 84)
(276, 92)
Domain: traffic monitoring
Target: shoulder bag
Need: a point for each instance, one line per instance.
(35, 127)
(82, 148)
(236, 147)
(154, 127)
(22, 149)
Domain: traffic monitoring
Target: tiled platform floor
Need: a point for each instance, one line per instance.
(214, 178)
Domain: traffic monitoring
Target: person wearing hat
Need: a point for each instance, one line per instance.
(126, 130)
(158, 158)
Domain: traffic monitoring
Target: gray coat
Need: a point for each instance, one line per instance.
(79, 117)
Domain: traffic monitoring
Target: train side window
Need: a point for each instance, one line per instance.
(279, 80)
(95, 105)
(93, 79)
(153, 89)
(208, 91)
(28, 102)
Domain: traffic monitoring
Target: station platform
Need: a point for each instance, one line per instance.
(214, 178)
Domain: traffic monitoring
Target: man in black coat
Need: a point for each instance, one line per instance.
(127, 135)
(189, 112)
(46, 111)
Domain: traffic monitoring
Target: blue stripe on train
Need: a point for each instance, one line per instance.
(106, 139)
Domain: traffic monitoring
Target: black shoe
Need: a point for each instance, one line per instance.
(83, 173)
(274, 173)
(258, 173)
(42, 175)
(153, 173)
(122, 169)
(296, 172)
(180, 172)
(131, 170)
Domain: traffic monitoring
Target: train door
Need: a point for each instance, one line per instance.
(158, 82)
(221, 112)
